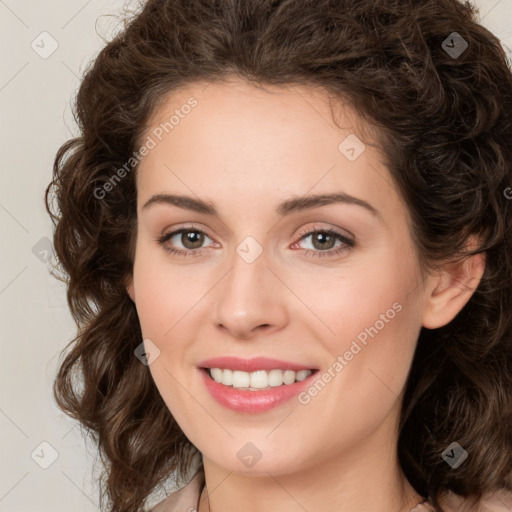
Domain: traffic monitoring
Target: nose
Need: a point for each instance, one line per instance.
(250, 299)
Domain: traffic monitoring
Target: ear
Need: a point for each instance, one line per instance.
(451, 289)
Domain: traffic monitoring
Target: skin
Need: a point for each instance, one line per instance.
(245, 150)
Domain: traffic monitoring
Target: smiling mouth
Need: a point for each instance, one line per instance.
(258, 380)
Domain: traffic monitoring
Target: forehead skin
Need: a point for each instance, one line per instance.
(260, 146)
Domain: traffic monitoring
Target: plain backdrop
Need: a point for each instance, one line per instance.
(46, 465)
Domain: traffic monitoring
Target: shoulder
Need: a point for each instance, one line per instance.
(496, 501)
(184, 499)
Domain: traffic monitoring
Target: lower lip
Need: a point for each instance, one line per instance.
(253, 401)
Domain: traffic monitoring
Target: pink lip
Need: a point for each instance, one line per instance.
(251, 365)
(243, 400)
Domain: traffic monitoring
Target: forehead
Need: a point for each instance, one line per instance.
(262, 143)
(241, 111)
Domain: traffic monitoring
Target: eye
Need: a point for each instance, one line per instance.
(191, 238)
(323, 242)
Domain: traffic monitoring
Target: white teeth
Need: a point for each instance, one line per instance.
(260, 379)
(240, 379)
(216, 374)
(227, 377)
(275, 378)
(302, 374)
(289, 377)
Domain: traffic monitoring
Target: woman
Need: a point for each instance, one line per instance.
(286, 233)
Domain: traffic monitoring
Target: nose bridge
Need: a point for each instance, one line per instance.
(250, 296)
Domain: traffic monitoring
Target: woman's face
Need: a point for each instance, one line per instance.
(266, 281)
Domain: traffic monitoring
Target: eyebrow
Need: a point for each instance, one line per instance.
(287, 207)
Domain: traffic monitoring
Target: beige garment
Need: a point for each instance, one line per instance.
(500, 501)
(186, 499)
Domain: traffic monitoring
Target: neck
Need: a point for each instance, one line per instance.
(361, 478)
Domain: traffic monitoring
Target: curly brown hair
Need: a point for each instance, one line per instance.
(445, 123)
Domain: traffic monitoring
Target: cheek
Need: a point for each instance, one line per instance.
(370, 357)
(166, 301)
(375, 315)
(169, 302)
(375, 291)
(165, 293)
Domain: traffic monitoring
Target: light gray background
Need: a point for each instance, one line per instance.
(35, 101)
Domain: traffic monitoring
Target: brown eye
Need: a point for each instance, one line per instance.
(323, 243)
(322, 240)
(193, 237)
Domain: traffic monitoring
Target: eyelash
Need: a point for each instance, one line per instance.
(348, 243)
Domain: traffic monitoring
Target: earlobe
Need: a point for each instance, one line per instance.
(451, 290)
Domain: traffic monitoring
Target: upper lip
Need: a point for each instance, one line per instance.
(251, 365)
